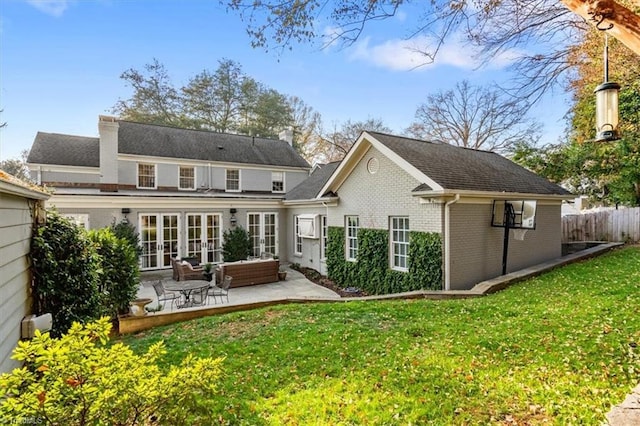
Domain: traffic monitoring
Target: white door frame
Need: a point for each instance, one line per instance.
(159, 251)
(206, 245)
(263, 241)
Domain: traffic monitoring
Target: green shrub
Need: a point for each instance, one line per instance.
(119, 274)
(371, 272)
(65, 273)
(127, 231)
(80, 380)
(236, 244)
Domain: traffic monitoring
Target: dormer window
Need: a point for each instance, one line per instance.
(187, 178)
(146, 176)
(233, 180)
(277, 182)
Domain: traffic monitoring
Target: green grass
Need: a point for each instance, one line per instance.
(557, 349)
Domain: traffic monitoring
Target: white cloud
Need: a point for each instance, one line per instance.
(403, 55)
(51, 7)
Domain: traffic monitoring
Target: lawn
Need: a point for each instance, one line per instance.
(557, 349)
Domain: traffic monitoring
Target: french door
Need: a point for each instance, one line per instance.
(159, 238)
(263, 228)
(204, 236)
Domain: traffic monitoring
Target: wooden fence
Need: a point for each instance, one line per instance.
(608, 225)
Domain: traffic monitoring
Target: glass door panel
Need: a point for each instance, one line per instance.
(255, 232)
(170, 238)
(148, 225)
(213, 237)
(194, 235)
(264, 233)
(269, 238)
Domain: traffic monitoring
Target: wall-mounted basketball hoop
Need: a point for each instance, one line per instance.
(519, 215)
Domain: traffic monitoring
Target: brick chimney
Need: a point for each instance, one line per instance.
(108, 129)
(287, 136)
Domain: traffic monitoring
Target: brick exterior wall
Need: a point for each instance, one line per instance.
(476, 247)
(375, 197)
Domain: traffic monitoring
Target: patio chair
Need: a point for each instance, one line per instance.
(165, 296)
(187, 272)
(222, 291)
(200, 297)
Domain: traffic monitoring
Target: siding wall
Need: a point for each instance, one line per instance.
(310, 256)
(476, 247)
(47, 176)
(15, 278)
(375, 197)
(215, 177)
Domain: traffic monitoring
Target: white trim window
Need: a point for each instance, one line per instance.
(187, 178)
(297, 238)
(351, 230)
(146, 176)
(80, 219)
(277, 181)
(232, 179)
(399, 242)
(323, 237)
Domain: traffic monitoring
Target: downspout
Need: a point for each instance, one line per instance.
(447, 242)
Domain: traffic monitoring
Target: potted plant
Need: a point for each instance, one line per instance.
(207, 271)
(282, 275)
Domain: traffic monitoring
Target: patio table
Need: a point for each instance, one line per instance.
(187, 288)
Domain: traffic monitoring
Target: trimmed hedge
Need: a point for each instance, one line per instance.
(372, 273)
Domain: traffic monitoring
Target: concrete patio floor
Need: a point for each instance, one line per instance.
(295, 286)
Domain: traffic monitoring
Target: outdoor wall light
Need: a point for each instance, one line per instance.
(607, 104)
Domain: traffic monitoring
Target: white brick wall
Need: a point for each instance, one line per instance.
(375, 197)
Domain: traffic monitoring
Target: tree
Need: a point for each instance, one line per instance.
(307, 127)
(213, 99)
(337, 143)
(474, 117)
(540, 34)
(154, 99)
(17, 167)
(236, 244)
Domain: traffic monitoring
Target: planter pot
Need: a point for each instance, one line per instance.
(208, 276)
(282, 275)
(137, 307)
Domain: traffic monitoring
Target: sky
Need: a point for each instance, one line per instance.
(61, 61)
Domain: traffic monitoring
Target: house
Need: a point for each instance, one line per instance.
(20, 207)
(181, 188)
(448, 199)
(395, 214)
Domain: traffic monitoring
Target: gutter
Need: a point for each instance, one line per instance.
(447, 242)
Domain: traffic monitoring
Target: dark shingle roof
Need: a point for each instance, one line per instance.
(457, 168)
(310, 187)
(171, 142)
(66, 150)
(168, 142)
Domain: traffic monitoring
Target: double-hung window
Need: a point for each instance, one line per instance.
(297, 238)
(323, 237)
(146, 176)
(352, 226)
(277, 182)
(187, 178)
(399, 240)
(233, 180)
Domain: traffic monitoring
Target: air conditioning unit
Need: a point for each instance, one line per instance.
(308, 226)
(31, 323)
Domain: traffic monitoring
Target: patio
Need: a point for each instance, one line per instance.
(295, 286)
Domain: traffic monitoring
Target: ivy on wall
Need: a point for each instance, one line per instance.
(372, 273)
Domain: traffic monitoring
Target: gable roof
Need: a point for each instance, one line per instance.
(310, 187)
(446, 168)
(172, 142)
(65, 150)
(166, 142)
